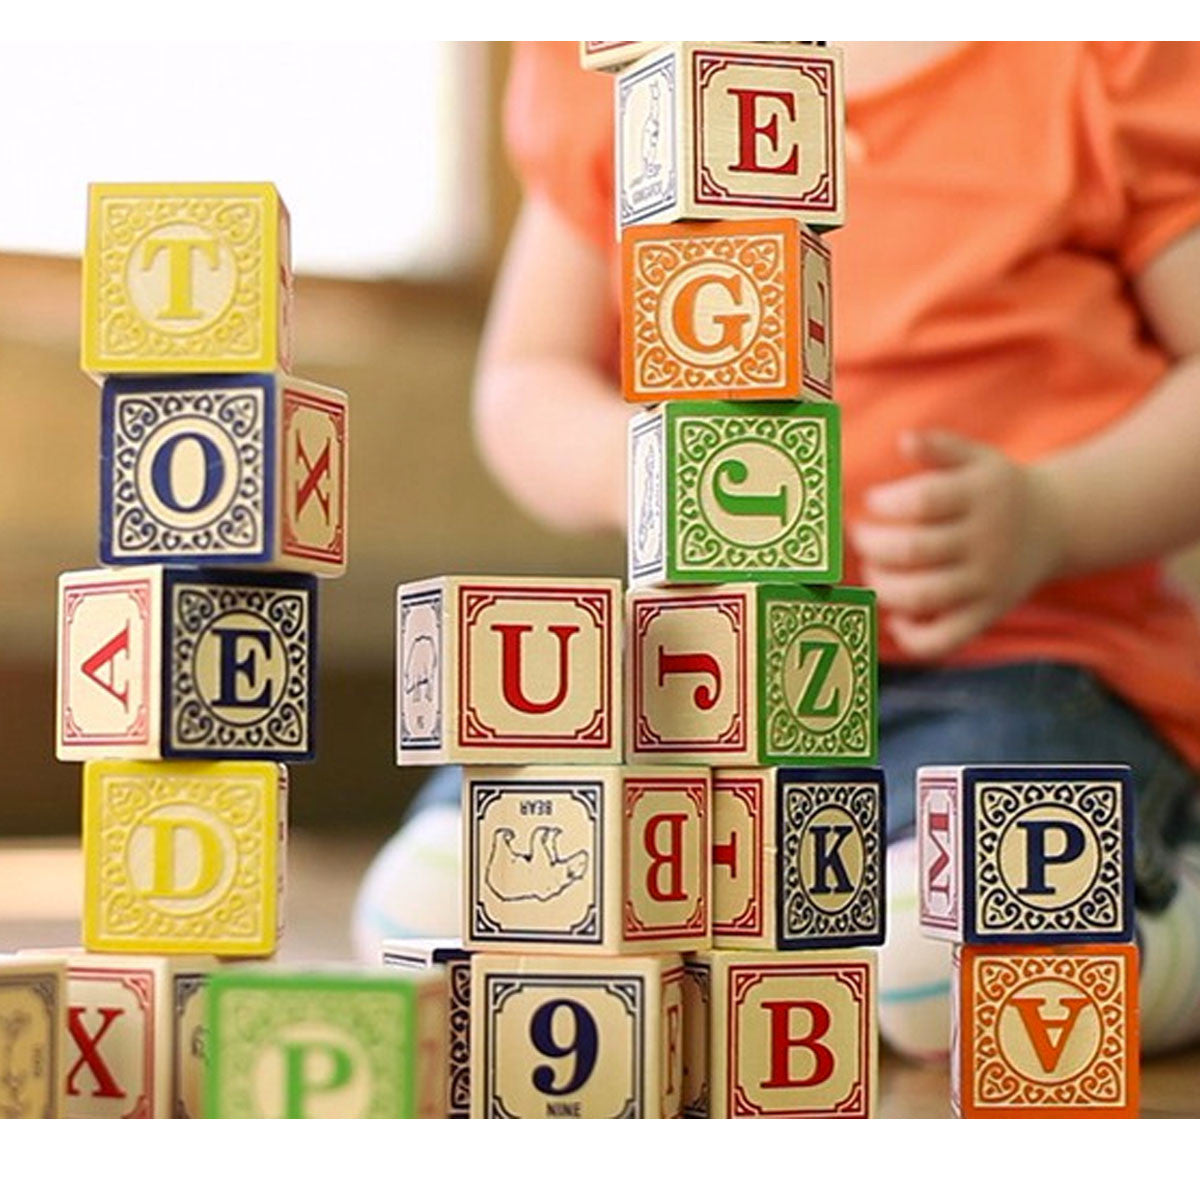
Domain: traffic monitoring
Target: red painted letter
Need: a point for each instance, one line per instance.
(783, 1042)
(672, 858)
(514, 693)
(692, 664)
(749, 131)
(103, 658)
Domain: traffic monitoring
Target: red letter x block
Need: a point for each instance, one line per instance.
(1045, 1031)
(610, 860)
(734, 130)
(1026, 854)
(744, 674)
(725, 310)
(211, 470)
(789, 1035)
(159, 662)
(508, 671)
(135, 1039)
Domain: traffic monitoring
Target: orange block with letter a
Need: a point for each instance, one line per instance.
(1045, 1031)
(725, 310)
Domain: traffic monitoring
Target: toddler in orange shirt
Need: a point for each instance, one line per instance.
(1017, 329)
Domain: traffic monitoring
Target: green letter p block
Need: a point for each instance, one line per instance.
(731, 492)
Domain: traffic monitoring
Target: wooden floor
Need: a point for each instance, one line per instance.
(40, 886)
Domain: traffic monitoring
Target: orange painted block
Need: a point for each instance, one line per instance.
(1045, 1031)
(733, 130)
(508, 670)
(556, 1037)
(726, 310)
(578, 860)
(781, 1035)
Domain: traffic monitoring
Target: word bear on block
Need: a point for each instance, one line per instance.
(1045, 1031)
(725, 310)
(164, 662)
(33, 1022)
(1026, 854)
(136, 1038)
(327, 1043)
(421, 954)
(186, 277)
(184, 858)
(743, 674)
(505, 670)
(729, 492)
(571, 1037)
(799, 857)
(731, 130)
(213, 470)
(788, 1035)
(609, 860)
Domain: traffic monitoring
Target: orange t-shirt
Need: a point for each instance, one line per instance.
(998, 202)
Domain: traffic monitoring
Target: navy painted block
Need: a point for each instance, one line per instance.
(210, 470)
(1026, 855)
(164, 662)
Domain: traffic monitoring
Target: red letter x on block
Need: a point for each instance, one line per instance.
(89, 1053)
(315, 473)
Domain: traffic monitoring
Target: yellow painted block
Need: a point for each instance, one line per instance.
(135, 1040)
(33, 1022)
(587, 860)
(568, 1037)
(183, 858)
(788, 1034)
(186, 277)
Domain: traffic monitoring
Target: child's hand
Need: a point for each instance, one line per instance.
(950, 549)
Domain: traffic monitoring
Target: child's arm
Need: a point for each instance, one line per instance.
(549, 423)
(954, 547)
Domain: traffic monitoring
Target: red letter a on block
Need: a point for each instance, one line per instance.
(1049, 1037)
(101, 670)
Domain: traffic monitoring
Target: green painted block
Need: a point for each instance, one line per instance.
(818, 675)
(724, 492)
(344, 1043)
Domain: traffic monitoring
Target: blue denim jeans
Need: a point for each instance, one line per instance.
(1027, 712)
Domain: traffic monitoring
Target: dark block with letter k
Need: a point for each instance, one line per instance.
(1023, 855)
(162, 662)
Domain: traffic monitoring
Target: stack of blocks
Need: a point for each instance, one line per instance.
(682, 934)
(186, 672)
(1029, 871)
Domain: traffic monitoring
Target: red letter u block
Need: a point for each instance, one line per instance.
(508, 671)
(780, 1035)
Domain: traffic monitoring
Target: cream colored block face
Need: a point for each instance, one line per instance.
(737, 130)
(691, 662)
(696, 1017)
(183, 858)
(611, 56)
(743, 856)
(557, 1037)
(186, 278)
(33, 1018)
(791, 1035)
(508, 670)
(587, 860)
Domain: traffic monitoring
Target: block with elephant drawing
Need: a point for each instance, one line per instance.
(597, 861)
(508, 670)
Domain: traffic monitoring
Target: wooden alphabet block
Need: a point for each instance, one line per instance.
(165, 662)
(184, 858)
(788, 1035)
(327, 1043)
(571, 1037)
(222, 470)
(1045, 1031)
(186, 277)
(728, 492)
(33, 1022)
(504, 670)
(422, 954)
(1026, 854)
(611, 56)
(608, 860)
(726, 310)
(135, 1038)
(748, 674)
(732, 130)
(799, 857)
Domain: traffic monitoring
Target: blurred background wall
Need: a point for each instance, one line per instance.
(389, 308)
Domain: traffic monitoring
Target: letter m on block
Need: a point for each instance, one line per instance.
(938, 809)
